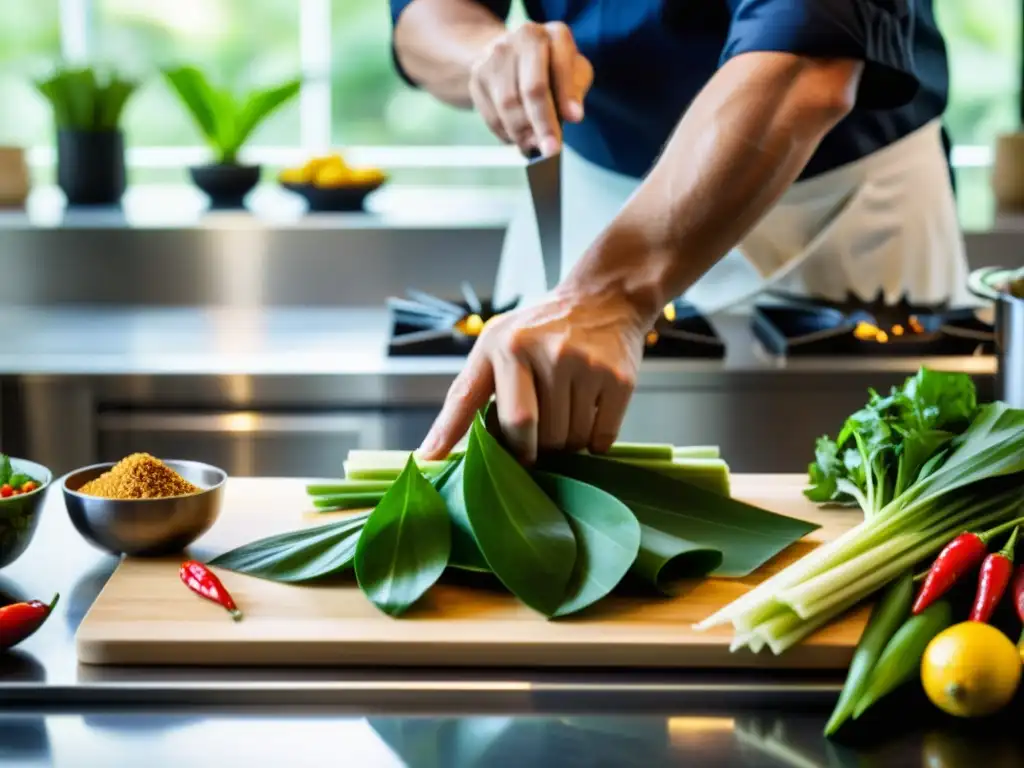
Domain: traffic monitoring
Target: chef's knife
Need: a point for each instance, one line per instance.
(544, 175)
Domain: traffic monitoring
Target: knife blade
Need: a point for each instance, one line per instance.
(544, 175)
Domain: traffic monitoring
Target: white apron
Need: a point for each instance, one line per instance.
(886, 224)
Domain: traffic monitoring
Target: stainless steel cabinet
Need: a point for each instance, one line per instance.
(252, 443)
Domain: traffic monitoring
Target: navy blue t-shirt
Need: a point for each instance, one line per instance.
(651, 57)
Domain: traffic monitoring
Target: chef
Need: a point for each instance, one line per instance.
(802, 136)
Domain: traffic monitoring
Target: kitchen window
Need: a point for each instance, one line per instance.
(353, 98)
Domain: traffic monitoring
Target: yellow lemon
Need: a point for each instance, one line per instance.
(970, 670)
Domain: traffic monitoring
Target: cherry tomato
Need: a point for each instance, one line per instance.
(28, 487)
(6, 491)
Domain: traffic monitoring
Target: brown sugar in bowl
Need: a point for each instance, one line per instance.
(144, 526)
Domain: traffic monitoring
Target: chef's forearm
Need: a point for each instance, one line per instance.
(437, 41)
(744, 140)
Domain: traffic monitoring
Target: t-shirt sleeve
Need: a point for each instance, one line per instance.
(877, 32)
(499, 8)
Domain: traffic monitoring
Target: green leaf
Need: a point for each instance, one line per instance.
(664, 560)
(112, 102)
(405, 545)
(607, 539)
(203, 102)
(304, 555)
(257, 107)
(6, 470)
(746, 535)
(524, 537)
(466, 554)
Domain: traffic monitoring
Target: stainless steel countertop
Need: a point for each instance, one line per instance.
(53, 712)
(332, 342)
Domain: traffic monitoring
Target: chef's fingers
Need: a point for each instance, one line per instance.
(582, 410)
(568, 68)
(469, 393)
(535, 90)
(553, 398)
(611, 409)
(501, 75)
(516, 397)
(482, 101)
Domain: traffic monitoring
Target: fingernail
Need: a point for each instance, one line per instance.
(549, 146)
(575, 111)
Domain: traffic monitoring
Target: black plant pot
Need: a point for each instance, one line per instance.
(90, 167)
(226, 185)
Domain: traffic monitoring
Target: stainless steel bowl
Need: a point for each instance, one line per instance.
(146, 527)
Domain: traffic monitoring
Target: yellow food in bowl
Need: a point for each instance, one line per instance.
(332, 172)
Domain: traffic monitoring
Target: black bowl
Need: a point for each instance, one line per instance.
(226, 185)
(19, 515)
(349, 199)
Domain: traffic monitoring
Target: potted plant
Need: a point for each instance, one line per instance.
(226, 123)
(87, 110)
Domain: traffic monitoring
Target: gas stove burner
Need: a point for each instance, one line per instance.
(815, 329)
(682, 331)
(422, 324)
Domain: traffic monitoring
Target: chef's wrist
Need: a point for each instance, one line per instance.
(622, 268)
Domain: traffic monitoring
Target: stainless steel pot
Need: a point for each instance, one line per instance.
(1009, 321)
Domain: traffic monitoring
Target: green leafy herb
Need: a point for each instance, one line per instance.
(607, 539)
(83, 101)
(525, 539)
(6, 471)
(405, 544)
(304, 555)
(747, 536)
(882, 448)
(225, 122)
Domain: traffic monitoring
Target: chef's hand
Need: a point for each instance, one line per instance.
(525, 79)
(562, 371)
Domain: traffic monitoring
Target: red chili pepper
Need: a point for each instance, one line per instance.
(19, 621)
(1018, 598)
(202, 581)
(962, 554)
(993, 579)
(959, 556)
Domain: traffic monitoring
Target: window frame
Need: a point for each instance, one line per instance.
(76, 27)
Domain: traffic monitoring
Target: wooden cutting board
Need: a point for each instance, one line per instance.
(145, 615)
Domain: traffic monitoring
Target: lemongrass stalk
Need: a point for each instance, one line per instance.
(710, 474)
(362, 472)
(347, 486)
(938, 535)
(348, 500)
(853, 542)
(696, 452)
(642, 451)
(779, 645)
(875, 578)
(844, 573)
